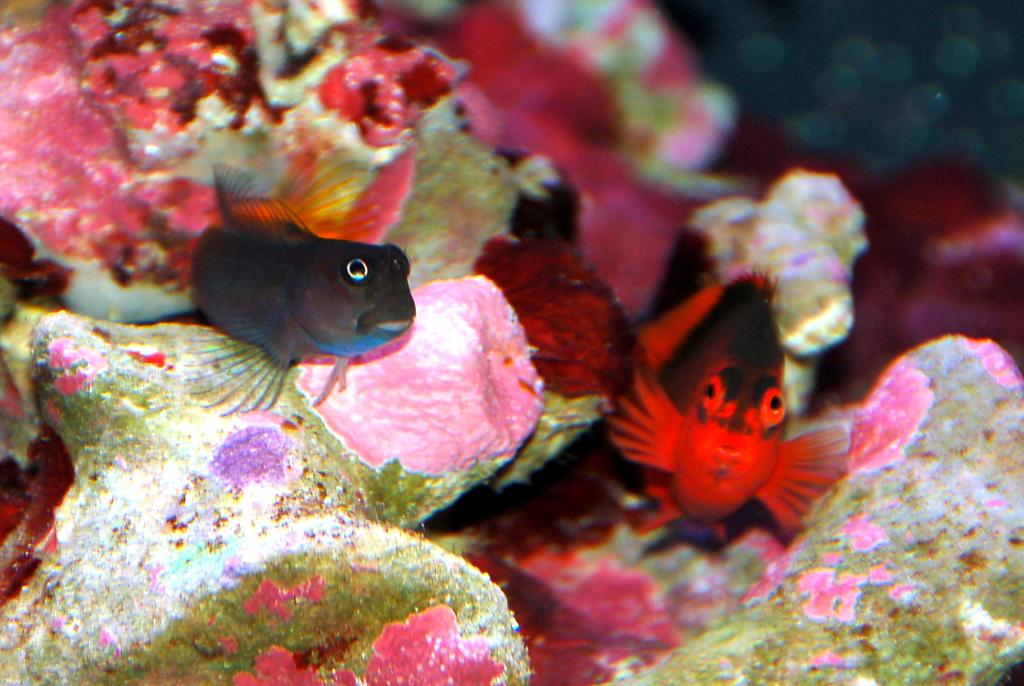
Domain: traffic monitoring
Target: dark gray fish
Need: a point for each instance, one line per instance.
(281, 292)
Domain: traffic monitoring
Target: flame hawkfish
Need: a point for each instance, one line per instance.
(706, 413)
(281, 291)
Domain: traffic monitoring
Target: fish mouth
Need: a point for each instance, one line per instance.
(395, 326)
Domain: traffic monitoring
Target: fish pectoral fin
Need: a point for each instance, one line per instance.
(246, 212)
(808, 465)
(646, 425)
(658, 485)
(336, 379)
(239, 376)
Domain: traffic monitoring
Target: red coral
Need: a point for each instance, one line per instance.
(384, 85)
(570, 315)
(31, 527)
(426, 650)
(17, 263)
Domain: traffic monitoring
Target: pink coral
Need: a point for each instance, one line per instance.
(863, 534)
(888, 420)
(458, 391)
(278, 600)
(64, 355)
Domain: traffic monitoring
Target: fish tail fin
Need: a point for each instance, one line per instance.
(224, 372)
(645, 426)
(808, 465)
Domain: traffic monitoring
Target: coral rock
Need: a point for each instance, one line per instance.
(909, 570)
(190, 544)
(462, 377)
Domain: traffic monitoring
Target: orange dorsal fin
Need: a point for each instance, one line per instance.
(659, 339)
(340, 199)
(807, 466)
(243, 211)
(646, 425)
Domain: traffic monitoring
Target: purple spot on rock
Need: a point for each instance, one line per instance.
(256, 453)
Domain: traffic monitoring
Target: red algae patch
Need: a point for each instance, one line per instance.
(459, 389)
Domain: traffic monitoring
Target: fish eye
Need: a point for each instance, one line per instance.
(357, 270)
(773, 408)
(713, 394)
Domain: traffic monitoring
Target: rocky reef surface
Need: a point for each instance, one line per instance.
(452, 515)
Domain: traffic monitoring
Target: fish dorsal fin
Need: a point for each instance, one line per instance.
(243, 211)
(659, 339)
(807, 466)
(341, 199)
(646, 425)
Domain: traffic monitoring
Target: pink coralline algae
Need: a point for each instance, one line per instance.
(774, 574)
(997, 362)
(888, 420)
(277, 667)
(863, 534)
(831, 597)
(82, 365)
(253, 454)
(830, 658)
(384, 85)
(459, 389)
(427, 650)
(279, 600)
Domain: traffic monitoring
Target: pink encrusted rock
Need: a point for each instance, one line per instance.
(888, 421)
(997, 362)
(279, 601)
(903, 574)
(81, 365)
(459, 391)
(863, 534)
(427, 650)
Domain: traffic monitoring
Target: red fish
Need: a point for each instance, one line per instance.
(706, 413)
